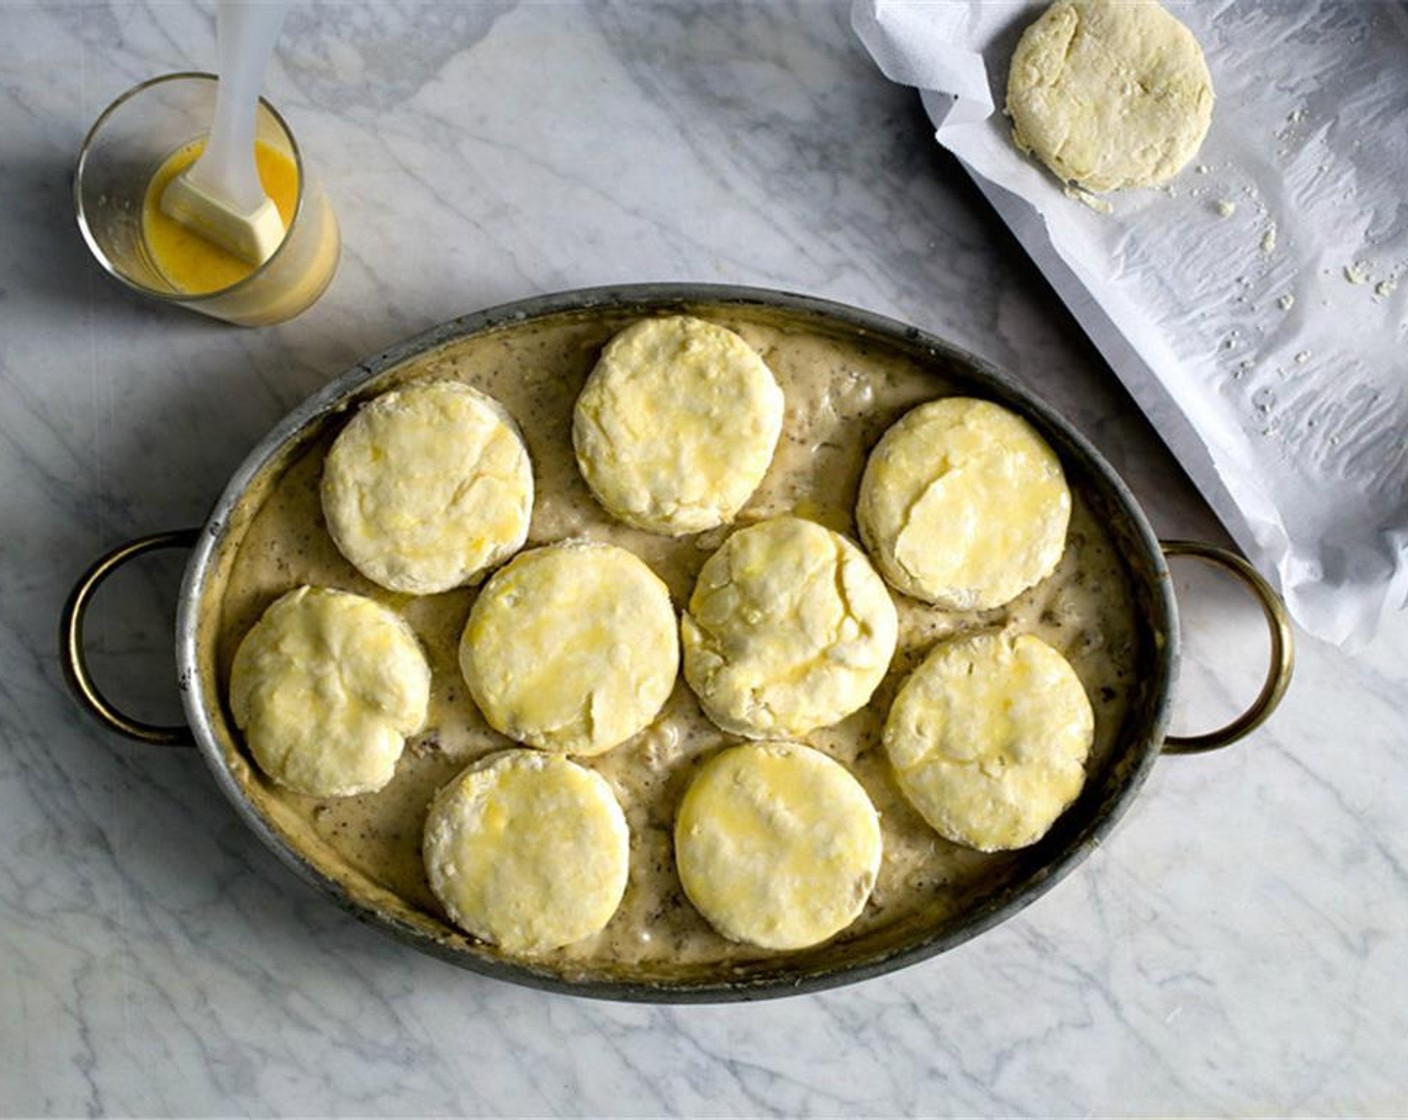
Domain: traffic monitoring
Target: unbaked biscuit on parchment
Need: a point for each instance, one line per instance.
(1109, 93)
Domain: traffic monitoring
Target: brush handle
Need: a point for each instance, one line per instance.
(247, 30)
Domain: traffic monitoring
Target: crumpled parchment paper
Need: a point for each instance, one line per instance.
(1257, 306)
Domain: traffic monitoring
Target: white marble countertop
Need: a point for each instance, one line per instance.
(1239, 944)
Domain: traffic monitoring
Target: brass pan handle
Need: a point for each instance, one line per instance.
(1283, 657)
(75, 657)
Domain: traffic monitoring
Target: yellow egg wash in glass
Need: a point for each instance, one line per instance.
(190, 263)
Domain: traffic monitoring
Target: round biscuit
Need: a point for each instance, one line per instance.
(528, 851)
(427, 486)
(777, 845)
(676, 425)
(326, 686)
(963, 505)
(988, 739)
(1109, 93)
(572, 647)
(788, 629)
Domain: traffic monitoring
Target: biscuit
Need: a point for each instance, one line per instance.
(326, 686)
(1109, 93)
(427, 486)
(789, 629)
(988, 739)
(572, 647)
(777, 845)
(963, 505)
(528, 851)
(676, 425)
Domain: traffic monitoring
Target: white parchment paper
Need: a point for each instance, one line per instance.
(1257, 306)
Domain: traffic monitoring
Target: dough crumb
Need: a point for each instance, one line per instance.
(1386, 287)
(1268, 240)
(1203, 169)
(1099, 205)
(1357, 273)
(1302, 357)
(1286, 302)
(1226, 208)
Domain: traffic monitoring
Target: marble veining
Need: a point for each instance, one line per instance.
(1239, 943)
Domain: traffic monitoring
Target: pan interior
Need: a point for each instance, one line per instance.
(1105, 607)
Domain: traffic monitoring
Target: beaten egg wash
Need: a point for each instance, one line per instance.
(190, 263)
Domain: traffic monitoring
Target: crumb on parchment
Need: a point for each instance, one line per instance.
(1095, 202)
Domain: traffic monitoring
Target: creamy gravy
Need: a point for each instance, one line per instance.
(841, 395)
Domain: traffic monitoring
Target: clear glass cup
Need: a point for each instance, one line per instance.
(126, 146)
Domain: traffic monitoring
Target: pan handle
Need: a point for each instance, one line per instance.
(75, 657)
(1278, 675)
